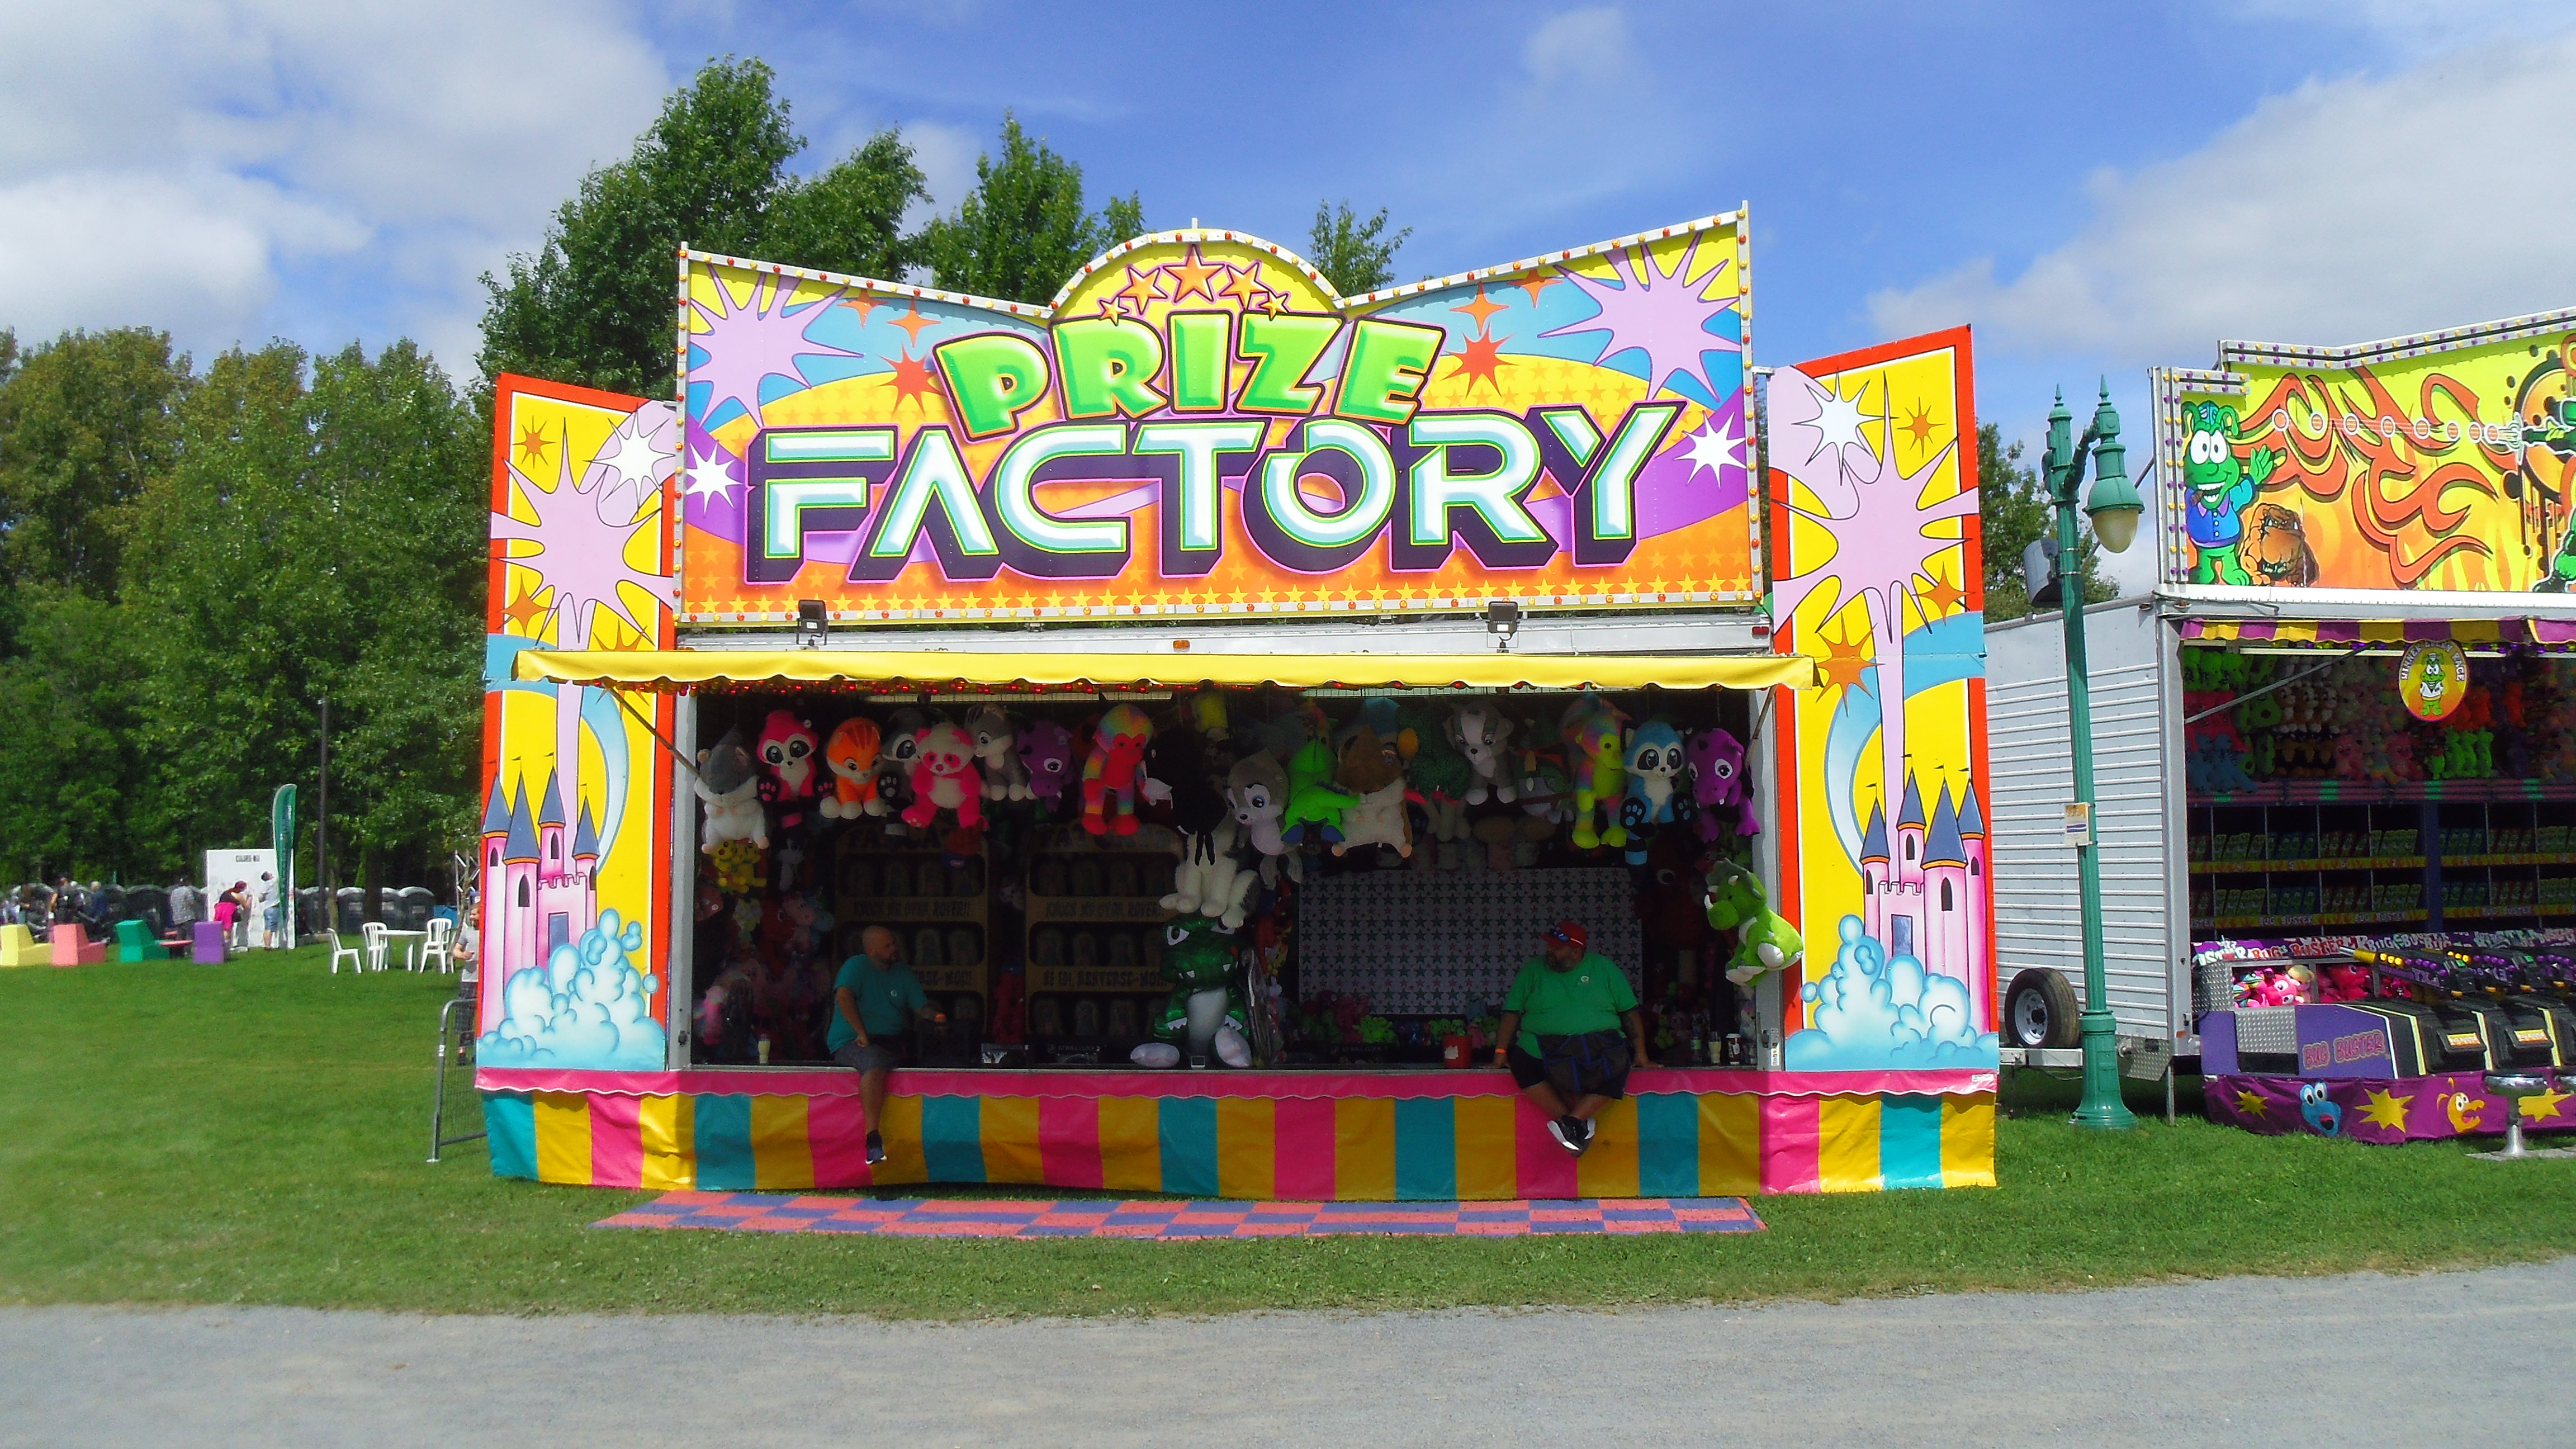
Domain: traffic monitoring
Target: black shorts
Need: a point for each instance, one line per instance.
(1528, 1071)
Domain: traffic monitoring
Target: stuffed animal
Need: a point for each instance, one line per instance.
(1370, 771)
(1176, 773)
(1482, 734)
(943, 778)
(2348, 761)
(899, 745)
(1256, 791)
(729, 786)
(851, 755)
(1210, 880)
(1046, 760)
(1590, 729)
(1115, 770)
(1207, 711)
(1717, 782)
(1313, 799)
(1764, 940)
(787, 747)
(1205, 1012)
(1545, 793)
(1652, 761)
(1006, 775)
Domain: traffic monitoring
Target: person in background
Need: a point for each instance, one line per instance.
(874, 999)
(187, 907)
(1560, 1033)
(272, 912)
(226, 913)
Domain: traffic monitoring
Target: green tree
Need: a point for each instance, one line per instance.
(84, 421)
(593, 304)
(2013, 511)
(1024, 230)
(1357, 256)
(70, 763)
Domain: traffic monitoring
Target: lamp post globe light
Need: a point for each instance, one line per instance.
(2114, 506)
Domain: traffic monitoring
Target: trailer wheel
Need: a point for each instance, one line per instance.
(2040, 1011)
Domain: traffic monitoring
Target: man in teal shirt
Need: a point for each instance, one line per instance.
(876, 995)
(1560, 1033)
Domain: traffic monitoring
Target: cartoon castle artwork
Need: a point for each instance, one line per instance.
(1928, 900)
(539, 890)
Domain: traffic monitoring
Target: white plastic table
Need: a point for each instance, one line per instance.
(411, 942)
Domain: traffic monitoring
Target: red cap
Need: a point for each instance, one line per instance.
(1571, 931)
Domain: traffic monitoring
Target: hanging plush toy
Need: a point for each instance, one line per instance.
(1717, 782)
(1371, 772)
(1006, 776)
(1482, 734)
(1654, 758)
(1205, 1013)
(900, 745)
(729, 785)
(1115, 770)
(1208, 712)
(1046, 761)
(851, 755)
(787, 748)
(1590, 729)
(1764, 941)
(943, 778)
(1209, 880)
(1314, 801)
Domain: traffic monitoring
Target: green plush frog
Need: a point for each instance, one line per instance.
(1764, 940)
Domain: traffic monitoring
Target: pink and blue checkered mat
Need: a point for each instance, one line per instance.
(755, 1212)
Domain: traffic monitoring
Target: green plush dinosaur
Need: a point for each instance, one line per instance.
(1764, 940)
(1203, 960)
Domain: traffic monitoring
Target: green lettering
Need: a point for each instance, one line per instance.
(1202, 356)
(992, 378)
(1281, 349)
(1107, 367)
(1383, 374)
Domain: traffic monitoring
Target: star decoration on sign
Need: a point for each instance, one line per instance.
(1479, 360)
(533, 444)
(1716, 446)
(1939, 594)
(1246, 288)
(2543, 1106)
(711, 476)
(860, 303)
(2250, 1105)
(1841, 422)
(914, 378)
(1190, 274)
(1842, 664)
(1140, 291)
(1535, 283)
(913, 322)
(520, 610)
(1480, 309)
(1919, 425)
(2386, 1109)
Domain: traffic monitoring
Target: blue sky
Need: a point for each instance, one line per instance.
(2094, 188)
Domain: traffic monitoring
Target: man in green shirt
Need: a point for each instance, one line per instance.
(876, 995)
(1560, 1033)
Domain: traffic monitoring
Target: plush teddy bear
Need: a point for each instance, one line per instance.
(943, 778)
(728, 784)
(851, 755)
(1046, 761)
(899, 745)
(1006, 775)
(1209, 879)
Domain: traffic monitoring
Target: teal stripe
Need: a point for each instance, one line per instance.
(1909, 1141)
(511, 1119)
(1188, 1128)
(952, 1138)
(723, 1136)
(1667, 1145)
(1426, 1149)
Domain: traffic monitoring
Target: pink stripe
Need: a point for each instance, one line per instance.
(836, 1132)
(1546, 1169)
(1301, 1145)
(1324, 1086)
(616, 1141)
(1792, 1135)
(1069, 1141)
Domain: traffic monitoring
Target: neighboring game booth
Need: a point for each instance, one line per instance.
(1209, 669)
(2378, 684)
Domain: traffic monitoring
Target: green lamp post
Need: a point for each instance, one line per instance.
(2114, 506)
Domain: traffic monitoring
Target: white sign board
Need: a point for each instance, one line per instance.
(259, 869)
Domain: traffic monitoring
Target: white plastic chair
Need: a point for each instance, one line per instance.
(436, 945)
(374, 931)
(338, 951)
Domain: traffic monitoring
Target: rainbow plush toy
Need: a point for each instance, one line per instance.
(1590, 729)
(1114, 771)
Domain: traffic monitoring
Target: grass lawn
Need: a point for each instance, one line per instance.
(255, 1134)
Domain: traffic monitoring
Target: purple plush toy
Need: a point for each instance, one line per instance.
(1047, 749)
(1717, 778)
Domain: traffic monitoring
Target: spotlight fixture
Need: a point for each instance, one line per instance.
(1503, 620)
(813, 625)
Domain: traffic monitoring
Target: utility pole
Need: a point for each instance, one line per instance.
(322, 828)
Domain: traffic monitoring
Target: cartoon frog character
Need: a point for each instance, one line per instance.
(2221, 487)
(1764, 941)
(1203, 960)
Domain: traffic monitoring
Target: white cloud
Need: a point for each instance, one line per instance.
(1590, 47)
(2422, 24)
(198, 154)
(2343, 212)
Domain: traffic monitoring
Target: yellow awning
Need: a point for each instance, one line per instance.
(909, 670)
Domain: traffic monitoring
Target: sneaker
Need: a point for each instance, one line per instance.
(1568, 1132)
(876, 1149)
(1583, 1142)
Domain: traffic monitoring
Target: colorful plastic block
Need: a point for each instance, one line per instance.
(73, 947)
(19, 947)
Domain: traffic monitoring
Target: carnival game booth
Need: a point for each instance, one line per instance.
(2337, 744)
(1207, 670)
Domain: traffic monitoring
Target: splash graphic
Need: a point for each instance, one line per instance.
(742, 351)
(1871, 1012)
(582, 529)
(588, 1006)
(1657, 312)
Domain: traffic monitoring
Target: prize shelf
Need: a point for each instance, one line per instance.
(2271, 862)
(940, 911)
(1093, 951)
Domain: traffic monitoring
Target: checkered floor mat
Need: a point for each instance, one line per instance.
(1102, 1218)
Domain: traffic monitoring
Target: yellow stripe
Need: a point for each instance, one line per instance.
(1730, 1144)
(902, 1133)
(1968, 1141)
(1364, 1149)
(2477, 631)
(1608, 1168)
(1131, 1144)
(563, 1137)
(1247, 1148)
(2217, 629)
(670, 1158)
(2382, 631)
(1847, 1145)
(1010, 1129)
(2295, 633)
(781, 1157)
(1488, 1148)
